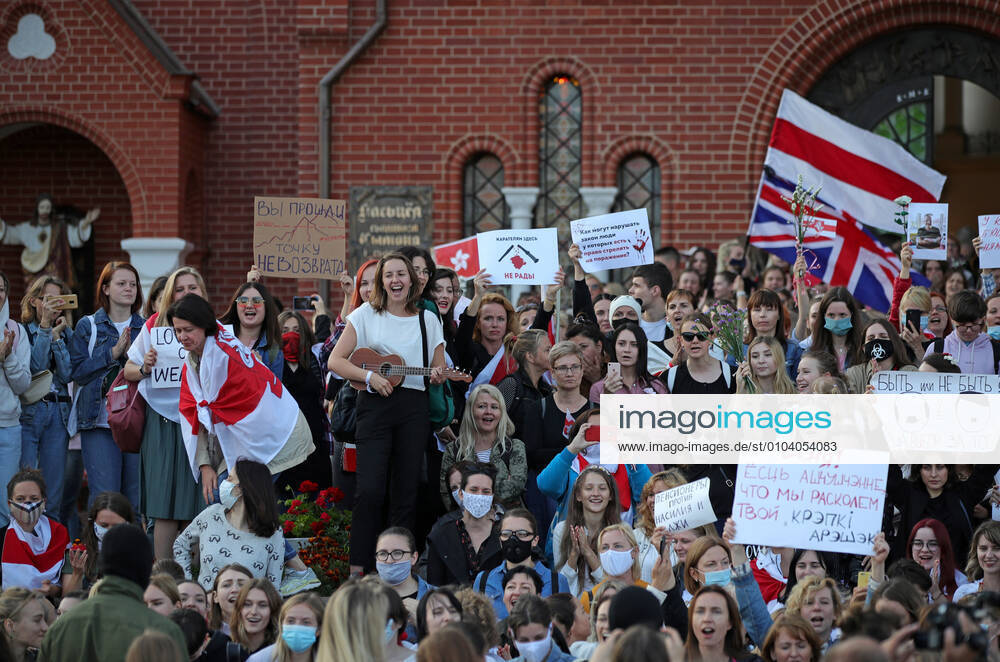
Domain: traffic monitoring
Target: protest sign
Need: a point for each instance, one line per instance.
(913, 381)
(613, 241)
(462, 256)
(170, 357)
(526, 257)
(684, 507)
(927, 230)
(299, 237)
(822, 507)
(989, 234)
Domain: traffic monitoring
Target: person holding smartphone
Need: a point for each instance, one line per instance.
(627, 372)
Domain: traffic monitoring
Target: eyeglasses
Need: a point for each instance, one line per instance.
(930, 544)
(522, 534)
(250, 301)
(940, 309)
(971, 326)
(700, 335)
(396, 555)
(568, 369)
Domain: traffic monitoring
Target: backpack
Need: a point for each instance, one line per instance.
(71, 425)
(995, 344)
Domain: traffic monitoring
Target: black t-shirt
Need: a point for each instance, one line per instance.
(685, 384)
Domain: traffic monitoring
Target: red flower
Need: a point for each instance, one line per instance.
(295, 503)
(288, 526)
(321, 501)
(316, 526)
(325, 517)
(336, 494)
(308, 486)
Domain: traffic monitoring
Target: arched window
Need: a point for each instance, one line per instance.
(638, 187)
(483, 205)
(559, 153)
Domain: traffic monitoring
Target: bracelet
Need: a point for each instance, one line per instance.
(368, 382)
(142, 370)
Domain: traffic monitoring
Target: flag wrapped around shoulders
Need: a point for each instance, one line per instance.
(28, 560)
(236, 398)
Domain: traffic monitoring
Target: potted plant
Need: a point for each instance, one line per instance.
(320, 531)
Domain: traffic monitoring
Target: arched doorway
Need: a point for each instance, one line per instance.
(44, 158)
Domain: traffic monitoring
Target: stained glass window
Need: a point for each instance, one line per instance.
(908, 127)
(638, 187)
(559, 145)
(484, 207)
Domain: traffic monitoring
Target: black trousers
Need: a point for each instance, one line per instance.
(392, 433)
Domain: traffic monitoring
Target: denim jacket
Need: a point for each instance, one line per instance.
(52, 356)
(753, 611)
(89, 370)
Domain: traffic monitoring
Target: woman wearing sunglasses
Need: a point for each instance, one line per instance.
(700, 373)
(254, 318)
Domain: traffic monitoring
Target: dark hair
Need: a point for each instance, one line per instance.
(709, 271)
(528, 571)
(26, 476)
(477, 468)
(900, 355)
(237, 626)
(103, 301)
(258, 497)
(641, 369)
(766, 299)
(155, 289)
(528, 609)
(912, 572)
(951, 271)
(192, 625)
(447, 317)
(825, 560)
(169, 567)
(822, 338)
(588, 330)
(422, 607)
(270, 328)
(117, 503)
(728, 275)
(581, 419)
(826, 361)
(378, 298)
(604, 296)
(418, 251)
(966, 306)
(38, 201)
(733, 639)
(214, 610)
(916, 478)
(523, 513)
(937, 361)
(563, 606)
(196, 310)
(947, 561)
(306, 338)
(399, 531)
(655, 274)
(667, 251)
(905, 593)
(800, 628)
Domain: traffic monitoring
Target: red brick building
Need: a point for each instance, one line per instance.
(172, 114)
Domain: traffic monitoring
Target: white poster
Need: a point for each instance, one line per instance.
(927, 230)
(989, 235)
(913, 381)
(684, 507)
(613, 241)
(823, 507)
(527, 257)
(169, 358)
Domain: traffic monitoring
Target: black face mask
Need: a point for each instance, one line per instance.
(738, 265)
(878, 349)
(516, 550)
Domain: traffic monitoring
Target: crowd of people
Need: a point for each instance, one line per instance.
(485, 525)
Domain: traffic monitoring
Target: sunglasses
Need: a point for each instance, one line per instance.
(250, 301)
(700, 335)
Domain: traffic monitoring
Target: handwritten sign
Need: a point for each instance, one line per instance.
(989, 234)
(912, 381)
(613, 241)
(927, 229)
(299, 237)
(823, 507)
(169, 358)
(527, 257)
(684, 507)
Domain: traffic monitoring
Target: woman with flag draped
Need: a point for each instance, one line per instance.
(483, 327)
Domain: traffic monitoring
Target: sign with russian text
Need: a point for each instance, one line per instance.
(913, 381)
(823, 507)
(385, 218)
(613, 241)
(299, 237)
(170, 357)
(684, 507)
(526, 257)
(989, 235)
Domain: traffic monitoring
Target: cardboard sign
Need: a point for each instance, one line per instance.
(169, 358)
(526, 257)
(461, 256)
(912, 381)
(613, 241)
(299, 237)
(684, 507)
(822, 507)
(927, 230)
(989, 234)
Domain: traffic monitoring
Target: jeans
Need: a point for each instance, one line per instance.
(72, 481)
(108, 469)
(10, 458)
(43, 447)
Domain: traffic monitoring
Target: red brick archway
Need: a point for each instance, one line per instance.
(448, 225)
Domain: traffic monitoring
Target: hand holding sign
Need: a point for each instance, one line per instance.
(684, 507)
(613, 241)
(527, 257)
(165, 359)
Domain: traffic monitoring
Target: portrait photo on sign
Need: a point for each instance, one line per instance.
(927, 230)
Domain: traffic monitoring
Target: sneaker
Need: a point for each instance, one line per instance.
(298, 581)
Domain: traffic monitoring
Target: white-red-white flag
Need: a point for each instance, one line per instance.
(461, 256)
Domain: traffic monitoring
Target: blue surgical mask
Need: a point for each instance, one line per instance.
(838, 327)
(298, 638)
(994, 332)
(924, 321)
(390, 631)
(226, 496)
(720, 577)
(393, 574)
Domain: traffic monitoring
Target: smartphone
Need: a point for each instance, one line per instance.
(593, 433)
(913, 318)
(69, 301)
(663, 545)
(615, 369)
(863, 578)
(302, 303)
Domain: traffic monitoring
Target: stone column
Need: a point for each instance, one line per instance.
(598, 200)
(521, 200)
(155, 256)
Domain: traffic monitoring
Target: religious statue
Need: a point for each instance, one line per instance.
(47, 239)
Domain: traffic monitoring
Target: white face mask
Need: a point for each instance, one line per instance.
(226, 496)
(456, 494)
(477, 504)
(616, 562)
(535, 651)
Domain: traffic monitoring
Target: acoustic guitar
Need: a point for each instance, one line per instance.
(392, 368)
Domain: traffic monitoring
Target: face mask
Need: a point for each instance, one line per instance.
(516, 550)
(738, 265)
(616, 562)
(27, 514)
(994, 332)
(535, 651)
(99, 532)
(720, 577)
(298, 637)
(477, 504)
(393, 574)
(878, 349)
(390, 631)
(226, 496)
(456, 494)
(290, 346)
(925, 320)
(838, 327)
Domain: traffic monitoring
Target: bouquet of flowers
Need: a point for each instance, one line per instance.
(729, 324)
(312, 513)
(804, 207)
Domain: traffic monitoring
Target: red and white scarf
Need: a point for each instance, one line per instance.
(28, 559)
(238, 399)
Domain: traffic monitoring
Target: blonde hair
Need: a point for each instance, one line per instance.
(466, 449)
(915, 297)
(282, 653)
(354, 624)
(153, 646)
(167, 296)
(630, 536)
(564, 348)
(477, 610)
(782, 383)
(808, 587)
(672, 478)
(28, 312)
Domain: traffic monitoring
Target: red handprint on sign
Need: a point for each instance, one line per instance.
(641, 239)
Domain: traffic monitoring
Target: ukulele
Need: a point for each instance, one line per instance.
(392, 368)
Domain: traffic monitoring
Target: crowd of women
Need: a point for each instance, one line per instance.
(485, 524)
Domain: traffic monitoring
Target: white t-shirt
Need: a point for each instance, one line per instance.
(655, 331)
(966, 589)
(388, 334)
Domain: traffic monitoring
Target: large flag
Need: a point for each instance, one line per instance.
(853, 257)
(29, 559)
(462, 256)
(861, 173)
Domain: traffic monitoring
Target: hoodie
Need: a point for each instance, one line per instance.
(975, 358)
(16, 371)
